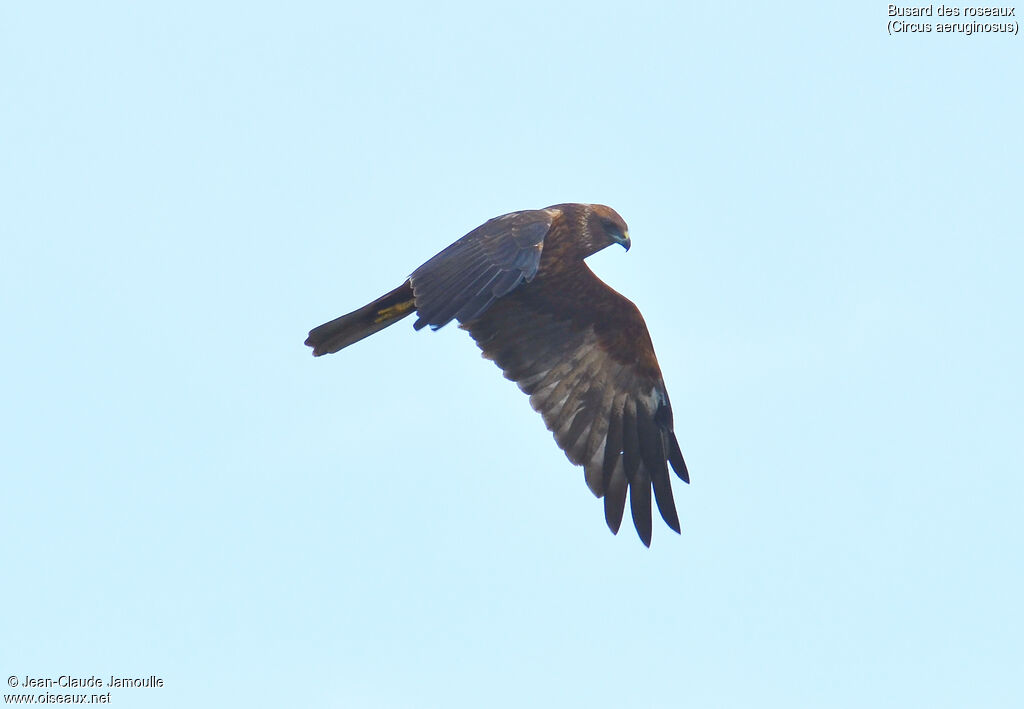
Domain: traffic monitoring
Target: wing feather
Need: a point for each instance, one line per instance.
(640, 506)
(488, 263)
(675, 456)
(468, 296)
(612, 457)
(615, 497)
(630, 441)
(507, 282)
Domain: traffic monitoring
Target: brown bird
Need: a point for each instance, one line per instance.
(581, 351)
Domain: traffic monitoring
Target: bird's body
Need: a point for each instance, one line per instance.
(519, 285)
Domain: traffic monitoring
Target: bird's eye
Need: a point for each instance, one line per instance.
(610, 227)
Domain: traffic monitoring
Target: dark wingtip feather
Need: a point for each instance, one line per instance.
(640, 505)
(663, 491)
(645, 538)
(666, 504)
(615, 500)
(675, 456)
(612, 449)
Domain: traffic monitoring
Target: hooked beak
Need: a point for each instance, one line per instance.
(625, 241)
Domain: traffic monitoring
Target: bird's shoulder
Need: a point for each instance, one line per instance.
(576, 296)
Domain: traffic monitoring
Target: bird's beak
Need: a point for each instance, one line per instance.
(625, 241)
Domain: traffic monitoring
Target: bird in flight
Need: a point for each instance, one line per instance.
(580, 350)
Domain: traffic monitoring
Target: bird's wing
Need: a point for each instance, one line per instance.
(487, 263)
(583, 354)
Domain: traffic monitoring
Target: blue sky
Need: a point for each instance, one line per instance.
(827, 250)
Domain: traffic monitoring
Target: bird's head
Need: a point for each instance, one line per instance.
(605, 227)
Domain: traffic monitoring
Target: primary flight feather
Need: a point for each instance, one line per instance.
(518, 283)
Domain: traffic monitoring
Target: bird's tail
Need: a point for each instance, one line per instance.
(342, 332)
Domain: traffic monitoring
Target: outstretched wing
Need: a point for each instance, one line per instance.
(486, 264)
(583, 354)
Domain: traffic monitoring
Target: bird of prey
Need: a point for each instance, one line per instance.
(518, 283)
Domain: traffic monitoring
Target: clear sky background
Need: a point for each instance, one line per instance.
(826, 227)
